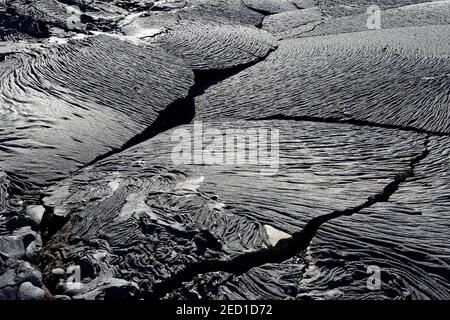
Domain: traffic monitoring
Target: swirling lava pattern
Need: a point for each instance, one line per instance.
(347, 197)
(298, 22)
(122, 203)
(366, 76)
(216, 47)
(425, 14)
(66, 105)
(406, 238)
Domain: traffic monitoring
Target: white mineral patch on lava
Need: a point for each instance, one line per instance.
(274, 235)
(115, 183)
(134, 205)
(190, 185)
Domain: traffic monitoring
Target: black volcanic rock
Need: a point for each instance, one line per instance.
(209, 46)
(140, 217)
(70, 103)
(19, 245)
(406, 238)
(225, 11)
(339, 8)
(16, 27)
(51, 12)
(304, 23)
(324, 155)
(393, 77)
(205, 36)
(230, 12)
(303, 4)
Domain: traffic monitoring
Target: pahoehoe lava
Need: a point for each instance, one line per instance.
(54, 120)
(205, 198)
(99, 99)
(369, 76)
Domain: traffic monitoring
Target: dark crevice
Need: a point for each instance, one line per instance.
(360, 123)
(285, 248)
(50, 224)
(91, 5)
(262, 12)
(80, 4)
(207, 78)
(11, 22)
(315, 23)
(180, 112)
(299, 7)
(23, 189)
